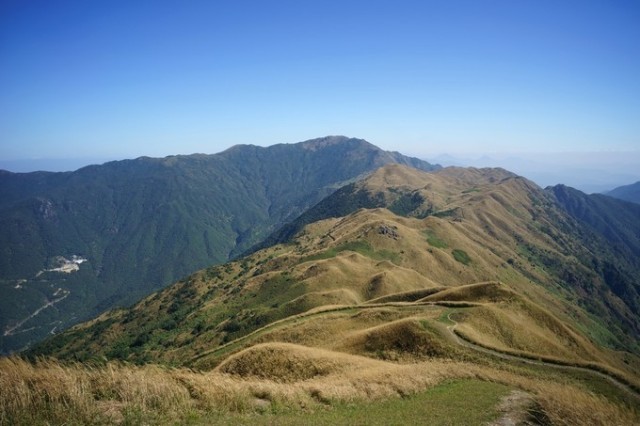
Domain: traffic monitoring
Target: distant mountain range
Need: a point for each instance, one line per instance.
(590, 172)
(627, 192)
(141, 224)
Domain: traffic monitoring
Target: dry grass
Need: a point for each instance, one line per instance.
(524, 327)
(311, 374)
(405, 339)
(564, 405)
(286, 362)
(478, 292)
(51, 393)
(55, 393)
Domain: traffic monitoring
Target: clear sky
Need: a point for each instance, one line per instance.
(120, 79)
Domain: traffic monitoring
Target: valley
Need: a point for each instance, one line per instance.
(65, 265)
(49, 303)
(52, 292)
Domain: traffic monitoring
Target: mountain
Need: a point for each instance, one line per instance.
(403, 231)
(396, 283)
(74, 244)
(627, 192)
(608, 231)
(597, 238)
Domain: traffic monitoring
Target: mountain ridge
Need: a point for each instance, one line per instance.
(534, 261)
(146, 222)
(478, 270)
(626, 192)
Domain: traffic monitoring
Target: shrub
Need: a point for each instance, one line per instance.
(461, 256)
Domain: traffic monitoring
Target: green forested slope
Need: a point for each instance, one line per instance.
(144, 223)
(609, 232)
(627, 192)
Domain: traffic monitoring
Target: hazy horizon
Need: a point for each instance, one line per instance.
(589, 172)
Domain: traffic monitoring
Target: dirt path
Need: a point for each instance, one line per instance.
(302, 317)
(11, 331)
(460, 340)
(512, 357)
(515, 409)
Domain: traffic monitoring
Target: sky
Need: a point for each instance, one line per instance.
(85, 81)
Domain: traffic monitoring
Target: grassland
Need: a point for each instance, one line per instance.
(456, 402)
(352, 321)
(355, 374)
(52, 393)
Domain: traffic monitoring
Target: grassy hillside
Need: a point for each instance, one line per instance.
(485, 235)
(362, 308)
(444, 392)
(145, 223)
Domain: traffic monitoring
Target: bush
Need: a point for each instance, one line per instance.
(461, 256)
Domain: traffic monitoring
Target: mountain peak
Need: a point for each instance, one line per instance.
(327, 141)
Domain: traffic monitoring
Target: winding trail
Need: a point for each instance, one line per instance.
(465, 342)
(456, 337)
(303, 317)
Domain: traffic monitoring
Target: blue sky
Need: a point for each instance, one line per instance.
(111, 79)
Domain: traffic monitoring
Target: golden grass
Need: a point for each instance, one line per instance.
(53, 392)
(404, 339)
(478, 292)
(50, 392)
(286, 362)
(526, 328)
(565, 405)
(348, 278)
(311, 373)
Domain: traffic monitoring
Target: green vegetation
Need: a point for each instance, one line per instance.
(145, 223)
(343, 202)
(434, 240)
(359, 246)
(461, 256)
(445, 213)
(460, 402)
(279, 337)
(408, 203)
(627, 192)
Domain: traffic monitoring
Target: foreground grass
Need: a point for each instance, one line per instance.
(362, 391)
(459, 402)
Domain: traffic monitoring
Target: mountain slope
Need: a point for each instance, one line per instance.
(137, 225)
(609, 230)
(627, 192)
(478, 273)
(482, 242)
(596, 238)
